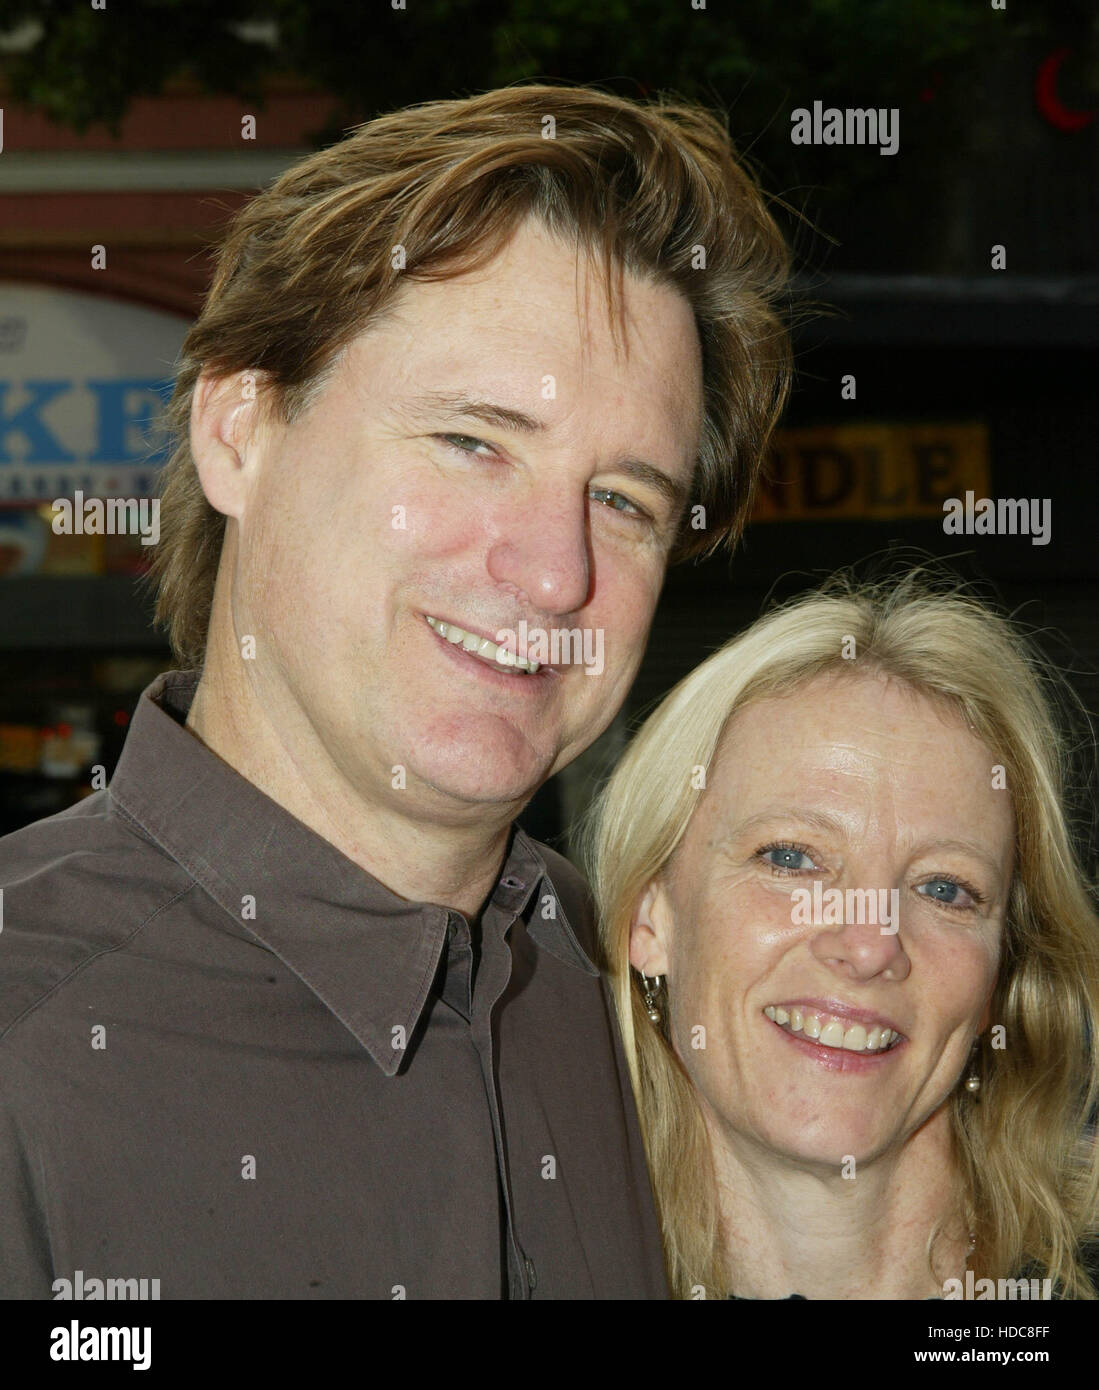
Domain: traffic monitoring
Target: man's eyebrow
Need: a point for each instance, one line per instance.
(454, 405)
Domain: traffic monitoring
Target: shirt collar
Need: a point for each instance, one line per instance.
(370, 955)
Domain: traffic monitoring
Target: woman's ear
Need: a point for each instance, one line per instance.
(650, 931)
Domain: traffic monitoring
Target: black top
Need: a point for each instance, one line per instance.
(1089, 1254)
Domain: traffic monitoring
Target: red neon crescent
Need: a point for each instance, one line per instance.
(1049, 103)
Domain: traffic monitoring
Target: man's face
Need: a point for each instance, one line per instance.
(380, 508)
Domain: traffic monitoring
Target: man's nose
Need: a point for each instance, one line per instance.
(542, 550)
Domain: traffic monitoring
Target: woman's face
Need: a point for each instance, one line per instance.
(852, 782)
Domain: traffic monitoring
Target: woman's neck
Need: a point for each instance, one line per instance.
(856, 1231)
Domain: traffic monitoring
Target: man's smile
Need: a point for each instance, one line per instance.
(485, 660)
(484, 647)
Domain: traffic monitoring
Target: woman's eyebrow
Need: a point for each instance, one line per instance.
(807, 815)
(966, 847)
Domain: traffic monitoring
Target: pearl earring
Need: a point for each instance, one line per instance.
(649, 988)
(973, 1080)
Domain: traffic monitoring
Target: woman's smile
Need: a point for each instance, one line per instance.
(835, 1026)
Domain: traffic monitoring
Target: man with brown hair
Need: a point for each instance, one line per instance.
(293, 1008)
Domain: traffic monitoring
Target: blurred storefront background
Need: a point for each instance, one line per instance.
(934, 373)
(103, 264)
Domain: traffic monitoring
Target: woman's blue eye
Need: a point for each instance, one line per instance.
(947, 891)
(786, 857)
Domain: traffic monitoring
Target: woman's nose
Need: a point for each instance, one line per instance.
(865, 944)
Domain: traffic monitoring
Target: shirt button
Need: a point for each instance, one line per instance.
(532, 1278)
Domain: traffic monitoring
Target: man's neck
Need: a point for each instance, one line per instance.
(452, 865)
(790, 1228)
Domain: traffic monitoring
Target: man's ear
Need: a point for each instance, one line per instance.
(650, 931)
(224, 421)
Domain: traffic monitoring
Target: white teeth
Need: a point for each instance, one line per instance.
(482, 646)
(856, 1038)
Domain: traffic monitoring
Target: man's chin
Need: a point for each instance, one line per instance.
(481, 780)
(482, 761)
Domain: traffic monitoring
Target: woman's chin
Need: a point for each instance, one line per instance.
(837, 1147)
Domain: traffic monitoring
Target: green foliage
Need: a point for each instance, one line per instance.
(88, 64)
(755, 60)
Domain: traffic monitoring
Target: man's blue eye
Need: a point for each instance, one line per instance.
(603, 492)
(449, 439)
(468, 444)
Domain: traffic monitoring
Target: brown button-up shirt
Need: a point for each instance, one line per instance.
(234, 1062)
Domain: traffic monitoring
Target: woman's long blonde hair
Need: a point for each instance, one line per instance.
(1025, 1152)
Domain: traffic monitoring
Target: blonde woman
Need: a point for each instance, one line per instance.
(865, 987)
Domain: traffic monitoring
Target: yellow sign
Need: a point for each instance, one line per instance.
(871, 472)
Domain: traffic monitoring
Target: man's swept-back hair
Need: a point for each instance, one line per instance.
(437, 189)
